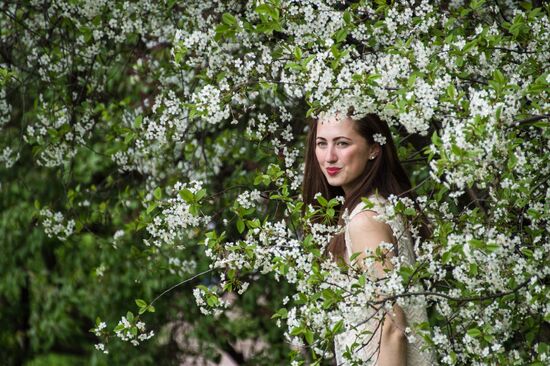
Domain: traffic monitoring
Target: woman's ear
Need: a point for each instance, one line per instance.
(374, 151)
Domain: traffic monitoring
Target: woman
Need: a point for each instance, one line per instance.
(355, 159)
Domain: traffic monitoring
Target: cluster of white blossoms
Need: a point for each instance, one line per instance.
(182, 267)
(101, 326)
(207, 102)
(8, 157)
(101, 347)
(63, 118)
(5, 107)
(56, 225)
(249, 199)
(379, 139)
(209, 302)
(176, 216)
(148, 135)
(56, 133)
(117, 236)
(98, 332)
(132, 330)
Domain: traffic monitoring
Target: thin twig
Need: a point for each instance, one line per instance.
(179, 284)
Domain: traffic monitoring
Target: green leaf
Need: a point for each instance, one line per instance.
(157, 193)
(406, 273)
(194, 209)
(488, 338)
(527, 252)
(263, 9)
(492, 247)
(409, 211)
(281, 313)
(240, 226)
(297, 53)
(212, 300)
(474, 332)
(151, 207)
(118, 328)
(338, 327)
(476, 243)
(368, 203)
(293, 66)
(412, 79)
(341, 35)
(187, 195)
(258, 179)
(129, 138)
(138, 121)
(347, 17)
(322, 200)
(539, 85)
(498, 76)
(354, 256)
(141, 303)
(229, 19)
(309, 336)
(266, 9)
(222, 30)
(451, 92)
(476, 4)
(200, 194)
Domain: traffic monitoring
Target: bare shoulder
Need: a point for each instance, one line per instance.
(367, 232)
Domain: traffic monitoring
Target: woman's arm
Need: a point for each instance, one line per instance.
(367, 233)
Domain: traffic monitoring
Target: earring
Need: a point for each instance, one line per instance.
(372, 157)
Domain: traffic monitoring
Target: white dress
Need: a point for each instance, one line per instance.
(370, 328)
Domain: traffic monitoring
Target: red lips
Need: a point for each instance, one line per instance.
(333, 171)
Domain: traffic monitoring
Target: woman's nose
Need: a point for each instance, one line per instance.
(331, 156)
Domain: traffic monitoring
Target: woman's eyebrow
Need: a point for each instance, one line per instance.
(334, 139)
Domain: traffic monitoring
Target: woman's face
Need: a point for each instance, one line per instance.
(341, 152)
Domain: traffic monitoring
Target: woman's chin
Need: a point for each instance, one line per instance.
(334, 182)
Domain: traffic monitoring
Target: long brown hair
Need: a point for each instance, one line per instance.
(383, 175)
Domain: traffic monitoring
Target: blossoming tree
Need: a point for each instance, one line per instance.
(171, 139)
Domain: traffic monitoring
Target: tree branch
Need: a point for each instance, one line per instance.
(458, 299)
(532, 119)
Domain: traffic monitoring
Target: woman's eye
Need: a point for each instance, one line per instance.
(342, 143)
(321, 144)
